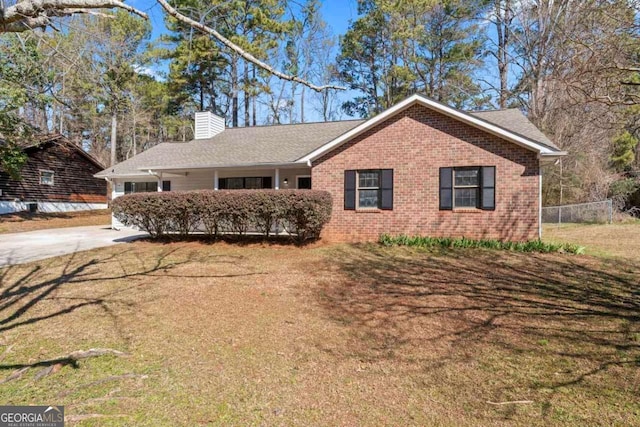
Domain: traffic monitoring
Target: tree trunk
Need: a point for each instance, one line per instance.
(234, 92)
(247, 97)
(253, 100)
(201, 96)
(302, 105)
(114, 129)
(135, 142)
(503, 24)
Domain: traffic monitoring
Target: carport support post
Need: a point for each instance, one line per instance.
(216, 180)
(276, 186)
(159, 182)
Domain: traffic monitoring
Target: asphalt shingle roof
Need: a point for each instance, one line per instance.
(281, 144)
(239, 147)
(514, 121)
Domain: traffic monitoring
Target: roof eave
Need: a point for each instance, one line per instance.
(230, 166)
(546, 158)
(111, 175)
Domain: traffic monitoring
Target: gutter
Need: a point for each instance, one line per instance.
(296, 164)
(552, 156)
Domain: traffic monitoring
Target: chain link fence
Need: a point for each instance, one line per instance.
(593, 212)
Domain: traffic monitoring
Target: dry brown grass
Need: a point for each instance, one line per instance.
(24, 221)
(330, 335)
(609, 240)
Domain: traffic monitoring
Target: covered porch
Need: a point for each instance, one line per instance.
(249, 177)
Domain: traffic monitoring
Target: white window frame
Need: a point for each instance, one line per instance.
(378, 188)
(456, 187)
(53, 174)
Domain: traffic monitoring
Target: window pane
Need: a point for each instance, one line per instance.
(46, 178)
(466, 197)
(253, 183)
(304, 182)
(235, 183)
(466, 177)
(369, 179)
(368, 198)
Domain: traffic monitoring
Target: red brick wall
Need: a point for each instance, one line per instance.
(415, 144)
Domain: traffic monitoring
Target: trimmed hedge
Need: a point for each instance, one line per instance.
(301, 213)
(461, 242)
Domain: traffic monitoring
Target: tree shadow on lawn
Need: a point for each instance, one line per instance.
(28, 291)
(575, 316)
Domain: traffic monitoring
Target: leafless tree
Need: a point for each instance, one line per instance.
(26, 15)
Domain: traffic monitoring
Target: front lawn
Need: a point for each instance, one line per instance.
(25, 221)
(325, 335)
(620, 240)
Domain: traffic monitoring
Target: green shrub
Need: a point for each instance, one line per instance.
(306, 214)
(302, 213)
(462, 242)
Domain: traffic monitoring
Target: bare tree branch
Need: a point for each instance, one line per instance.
(243, 53)
(26, 15)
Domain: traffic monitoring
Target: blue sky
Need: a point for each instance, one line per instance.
(337, 13)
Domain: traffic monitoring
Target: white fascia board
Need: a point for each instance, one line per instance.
(295, 164)
(123, 175)
(441, 108)
(552, 157)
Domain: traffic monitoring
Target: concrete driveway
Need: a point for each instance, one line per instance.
(18, 248)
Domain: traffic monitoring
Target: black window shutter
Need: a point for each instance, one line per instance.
(446, 188)
(127, 188)
(222, 183)
(349, 190)
(488, 188)
(166, 185)
(386, 187)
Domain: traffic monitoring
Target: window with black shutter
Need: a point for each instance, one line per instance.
(446, 188)
(349, 190)
(166, 185)
(467, 187)
(368, 189)
(488, 188)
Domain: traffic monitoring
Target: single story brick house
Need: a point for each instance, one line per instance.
(57, 177)
(420, 167)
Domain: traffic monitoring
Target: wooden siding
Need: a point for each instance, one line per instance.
(73, 176)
